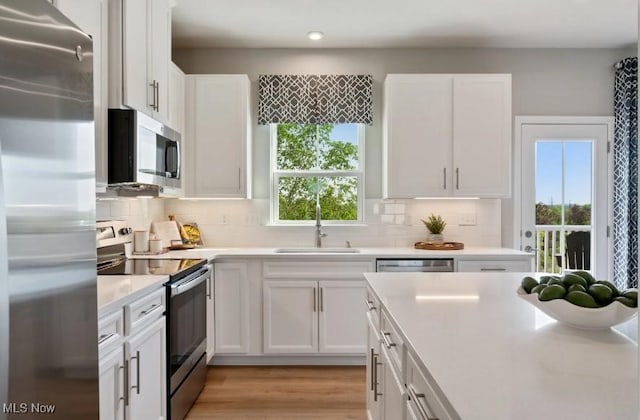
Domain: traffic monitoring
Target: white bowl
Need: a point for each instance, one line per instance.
(577, 316)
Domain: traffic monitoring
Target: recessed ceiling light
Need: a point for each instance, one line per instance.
(315, 35)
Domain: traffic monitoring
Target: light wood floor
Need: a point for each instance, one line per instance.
(282, 392)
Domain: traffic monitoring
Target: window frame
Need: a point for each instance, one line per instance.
(276, 174)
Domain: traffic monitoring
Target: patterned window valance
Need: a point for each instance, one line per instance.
(315, 99)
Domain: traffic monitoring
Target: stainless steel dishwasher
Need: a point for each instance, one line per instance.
(426, 265)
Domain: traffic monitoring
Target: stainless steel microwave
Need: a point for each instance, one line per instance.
(142, 152)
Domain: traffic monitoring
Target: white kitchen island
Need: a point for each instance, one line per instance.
(485, 353)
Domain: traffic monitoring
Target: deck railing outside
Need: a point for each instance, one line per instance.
(551, 246)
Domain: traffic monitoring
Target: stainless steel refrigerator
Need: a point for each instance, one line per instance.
(48, 319)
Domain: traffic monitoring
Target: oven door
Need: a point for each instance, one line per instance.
(187, 331)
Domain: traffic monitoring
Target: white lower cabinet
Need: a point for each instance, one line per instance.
(232, 307)
(412, 414)
(392, 389)
(308, 316)
(145, 353)
(374, 400)
(494, 265)
(132, 360)
(111, 385)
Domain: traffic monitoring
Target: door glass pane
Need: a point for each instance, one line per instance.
(563, 190)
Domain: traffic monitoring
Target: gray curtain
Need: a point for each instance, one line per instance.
(315, 99)
(625, 175)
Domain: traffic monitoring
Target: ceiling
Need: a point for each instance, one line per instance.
(406, 23)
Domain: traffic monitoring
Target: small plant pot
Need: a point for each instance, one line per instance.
(435, 238)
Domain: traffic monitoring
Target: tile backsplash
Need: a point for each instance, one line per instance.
(244, 223)
(139, 212)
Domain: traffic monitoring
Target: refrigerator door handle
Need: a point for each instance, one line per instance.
(4, 298)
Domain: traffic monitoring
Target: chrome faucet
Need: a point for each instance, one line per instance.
(319, 233)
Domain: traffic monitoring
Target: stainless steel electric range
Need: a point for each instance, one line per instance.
(185, 315)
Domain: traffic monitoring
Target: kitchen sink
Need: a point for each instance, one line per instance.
(316, 251)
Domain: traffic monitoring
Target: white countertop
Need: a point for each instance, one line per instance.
(114, 291)
(499, 357)
(393, 252)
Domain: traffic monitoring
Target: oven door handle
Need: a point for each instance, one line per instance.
(189, 283)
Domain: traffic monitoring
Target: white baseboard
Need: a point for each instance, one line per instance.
(288, 360)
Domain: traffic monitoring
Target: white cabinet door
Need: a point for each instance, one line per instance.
(176, 99)
(160, 55)
(231, 300)
(342, 321)
(145, 352)
(482, 135)
(136, 91)
(412, 413)
(392, 390)
(290, 316)
(211, 340)
(111, 385)
(417, 136)
(92, 17)
(219, 136)
(374, 401)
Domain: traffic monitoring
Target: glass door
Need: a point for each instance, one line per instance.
(564, 197)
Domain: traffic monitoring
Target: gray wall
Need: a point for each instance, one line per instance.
(545, 82)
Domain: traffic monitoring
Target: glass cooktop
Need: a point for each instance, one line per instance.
(165, 267)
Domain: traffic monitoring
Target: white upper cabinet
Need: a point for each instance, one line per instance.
(92, 17)
(218, 131)
(140, 67)
(176, 99)
(482, 135)
(447, 135)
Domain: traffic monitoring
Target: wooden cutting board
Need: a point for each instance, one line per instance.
(167, 232)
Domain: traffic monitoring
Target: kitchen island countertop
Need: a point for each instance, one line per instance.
(495, 356)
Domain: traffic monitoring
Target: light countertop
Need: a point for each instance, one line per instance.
(392, 252)
(114, 291)
(498, 357)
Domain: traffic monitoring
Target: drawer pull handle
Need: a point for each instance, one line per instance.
(125, 393)
(149, 310)
(105, 337)
(424, 409)
(493, 269)
(374, 367)
(137, 385)
(388, 344)
(370, 306)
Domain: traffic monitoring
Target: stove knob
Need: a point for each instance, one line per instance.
(125, 231)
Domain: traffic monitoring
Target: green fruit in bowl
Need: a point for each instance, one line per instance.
(529, 283)
(585, 275)
(577, 288)
(626, 301)
(551, 292)
(557, 281)
(571, 279)
(546, 279)
(601, 293)
(538, 288)
(631, 294)
(582, 299)
(611, 286)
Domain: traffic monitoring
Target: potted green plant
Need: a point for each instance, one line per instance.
(435, 225)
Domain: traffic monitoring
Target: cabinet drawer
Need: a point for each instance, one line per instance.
(316, 269)
(144, 310)
(422, 397)
(495, 265)
(373, 308)
(392, 341)
(110, 331)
